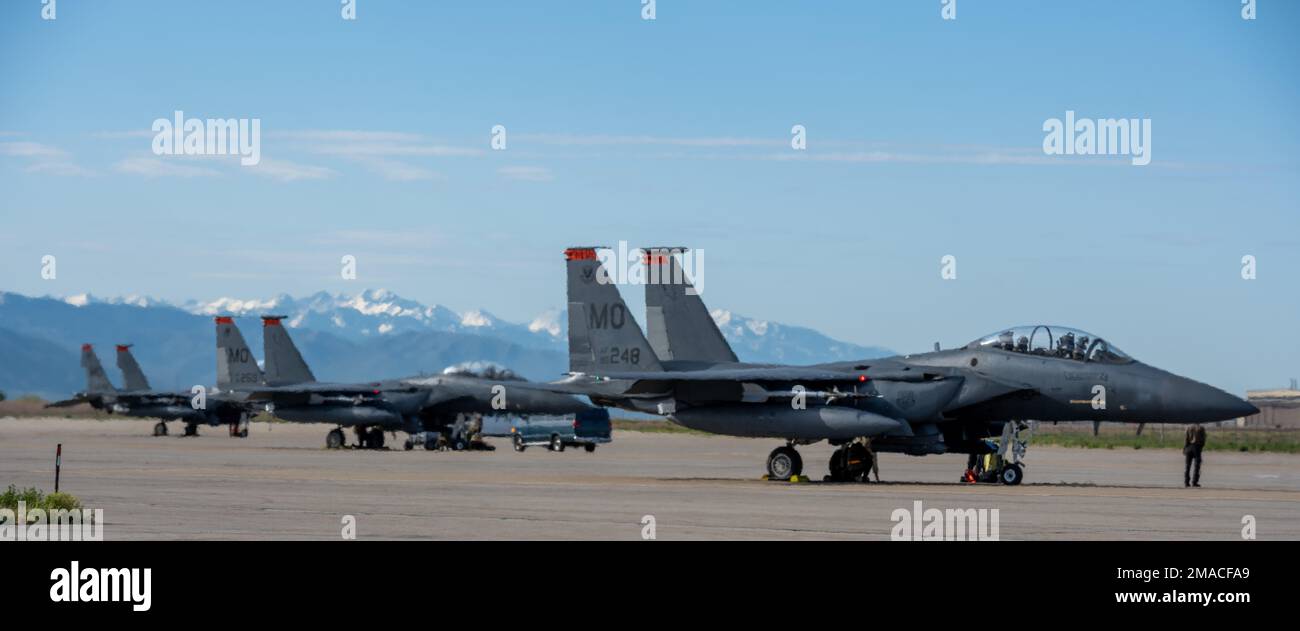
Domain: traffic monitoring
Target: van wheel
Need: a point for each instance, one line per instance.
(519, 443)
(556, 443)
(590, 447)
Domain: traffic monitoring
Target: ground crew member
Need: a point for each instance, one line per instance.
(875, 462)
(1192, 448)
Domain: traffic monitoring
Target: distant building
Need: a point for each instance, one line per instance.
(1277, 408)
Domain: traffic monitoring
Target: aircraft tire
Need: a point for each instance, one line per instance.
(836, 466)
(334, 439)
(160, 429)
(408, 445)
(376, 438)
(1012, 474)
(784, 463)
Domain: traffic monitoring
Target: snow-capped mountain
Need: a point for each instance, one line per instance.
(771, 342)
(374, 312)
(379, 312)
(371, 334)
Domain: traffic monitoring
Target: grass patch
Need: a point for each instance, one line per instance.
(1240, 440)
(652, 427)
(34, 498)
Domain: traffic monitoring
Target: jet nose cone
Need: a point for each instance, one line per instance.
(1212, 404)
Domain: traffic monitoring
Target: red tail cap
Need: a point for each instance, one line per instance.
(580, 254)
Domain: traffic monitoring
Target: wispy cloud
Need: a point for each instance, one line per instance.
(382, 239)
(527, 174)
(648, 140)
(25, 149)
(44, 159)
(396, 170)
(286, 171)
(346, 135)
(59, 168)
(119, 135)
(154, 167)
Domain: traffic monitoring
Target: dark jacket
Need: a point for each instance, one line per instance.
(1195, 439)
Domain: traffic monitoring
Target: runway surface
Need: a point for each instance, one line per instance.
(280, 483)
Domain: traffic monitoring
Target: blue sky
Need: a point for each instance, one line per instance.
(924, 139)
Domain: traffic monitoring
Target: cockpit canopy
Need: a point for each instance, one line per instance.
(1053, 341)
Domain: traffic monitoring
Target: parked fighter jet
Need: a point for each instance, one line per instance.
(939, 402)
(138, 399)
(425, 407)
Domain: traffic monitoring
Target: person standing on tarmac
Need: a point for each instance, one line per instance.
(1192, 447)
(875, 462)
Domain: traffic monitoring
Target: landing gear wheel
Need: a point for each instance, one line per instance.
(836, 466)
(784, 463)
(1012, 474)
(519, 443)
(243, 433)
(857, 461)
(408, 445)
(334, 439)
(590, 447)
(160, 429)
(557, 444)
(376, 438)
(191, 430)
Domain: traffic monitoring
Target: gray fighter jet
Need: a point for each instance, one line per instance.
(139, 399)
(425, 407)
(947, 401)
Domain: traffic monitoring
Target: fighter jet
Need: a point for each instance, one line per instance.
(139, 399)
(425, 407)
(946, 401)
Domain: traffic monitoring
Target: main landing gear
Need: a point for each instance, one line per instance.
(370, 438)
(784, 463)
(160, 429)
(851, 463)
(191, 429)
(239, 427)
(367, 438)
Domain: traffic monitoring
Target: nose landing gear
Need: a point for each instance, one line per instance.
(1004, 461)
(784, 463)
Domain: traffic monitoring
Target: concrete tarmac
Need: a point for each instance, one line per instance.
(281, 483)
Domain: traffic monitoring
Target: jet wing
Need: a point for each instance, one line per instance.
(343, 389)
(774, 373)
(67, 403)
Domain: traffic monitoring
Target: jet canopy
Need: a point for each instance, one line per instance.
(1053, 341)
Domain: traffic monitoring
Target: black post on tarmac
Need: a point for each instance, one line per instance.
(58, 464)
